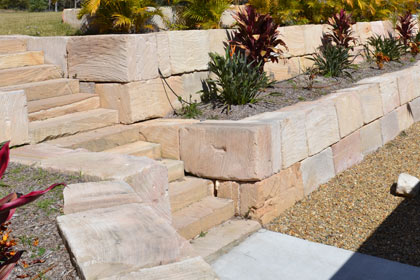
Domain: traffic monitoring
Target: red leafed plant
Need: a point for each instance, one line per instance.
(258, 36)
(405, 28)
(341, 30)
(8, 205)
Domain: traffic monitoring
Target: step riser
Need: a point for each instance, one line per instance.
(84, 105)
(47, 89)
(71, 124)
(21, 59)
(175, 170)
(17, 76)
(188, 191)
(139, 149)
(12, 46)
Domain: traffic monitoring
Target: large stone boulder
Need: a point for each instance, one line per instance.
(407, 185)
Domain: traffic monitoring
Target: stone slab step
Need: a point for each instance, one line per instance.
(29, 74)
(82, 102)
(175, 169)
(199, 217)
(71, 124)
(222, 238)
(188, 190)
(21, 59)
(100, 139)
(108, 241)
(12, 46)
(46, 89)
(139, 148)
(189, 269)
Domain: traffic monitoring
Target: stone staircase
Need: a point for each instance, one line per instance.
(56, 106)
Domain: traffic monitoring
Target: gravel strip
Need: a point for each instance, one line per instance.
(356, 210)
(49, 258)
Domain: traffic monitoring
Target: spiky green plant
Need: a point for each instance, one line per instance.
(119, 16)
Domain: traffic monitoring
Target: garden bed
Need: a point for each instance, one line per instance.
(34, 225)
(294, 90)
(357, 212)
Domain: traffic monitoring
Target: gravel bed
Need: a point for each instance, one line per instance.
(289, 92)
(356, 210)
(36, 223)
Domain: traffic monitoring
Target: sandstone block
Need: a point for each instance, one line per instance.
(218, 38)
(70, 16)
(378, 28)
(407, 185)
(108, 241)
(294, 38)
(87, 87)
(230, 190)
(406, 86)
(166, 133)
(21, 59)
(405, 117)
(415, 109)
(14, 124)
(188, 50)
(12, 45)
(371, 101)
(278, 71)
(175, 169)
(266, 199)
(363, 31)
(321, 127)
(28, 74)
(312, 34)
(349, 112)
(113, 58)
(95, 195)
(371, 137)
(317, 170)
(347, 152)
(390, 126)
(388, 88)
(227, 150)
(164, 61)
(189, 190)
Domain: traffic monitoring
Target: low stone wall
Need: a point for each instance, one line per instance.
(14, 123)
(267, 162)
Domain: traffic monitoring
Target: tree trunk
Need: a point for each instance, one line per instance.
(56, 6)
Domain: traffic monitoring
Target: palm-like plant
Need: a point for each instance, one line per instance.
(202, 14)
(119, 16)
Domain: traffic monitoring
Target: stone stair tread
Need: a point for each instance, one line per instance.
(138, 148)
(12, 46)
(48, 103)
(100, 139)
(175, 168)
(71, 124)
(46, 89)
(188, 190)
(222, 238)
(29, 74)
(189, 269)
(202, 215)
(19, 59)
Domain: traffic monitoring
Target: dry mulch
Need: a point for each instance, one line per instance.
(34, 225)
(289, 92)
(356, 210)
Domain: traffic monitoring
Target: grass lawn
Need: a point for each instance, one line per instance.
(34, 24)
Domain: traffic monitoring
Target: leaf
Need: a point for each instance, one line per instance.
(4, 157)
(8, 265)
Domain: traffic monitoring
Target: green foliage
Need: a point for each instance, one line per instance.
(237, 82)
(257, 35)
(14, 4)
(341, 30)
(38, 5)
(289, 12)
(200, 14)
(332, 60)
(405, 28)
(189, 110)
(390, 48)
(119, 16)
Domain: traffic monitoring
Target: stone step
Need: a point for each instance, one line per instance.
(199, 217)
(21, 59)
(53, 108)
(29, 74)
(189, 269)
(139, 148)
(101, 139)
(189, 190)
(12, 46)
(222, 238)
(175, 169)
(71, 124)
(46, 89)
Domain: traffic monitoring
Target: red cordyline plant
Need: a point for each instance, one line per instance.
(341, 30)
(8, 205)
(257, 36)
(405, 28)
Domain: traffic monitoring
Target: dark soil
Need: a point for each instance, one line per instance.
(289, 92)
(34, 225)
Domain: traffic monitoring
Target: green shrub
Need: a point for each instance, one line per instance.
(237, 81)
(119, 16)
(384, 49)
(14, 4)
(38, 5)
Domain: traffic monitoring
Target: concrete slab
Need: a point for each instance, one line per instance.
(268, 255)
